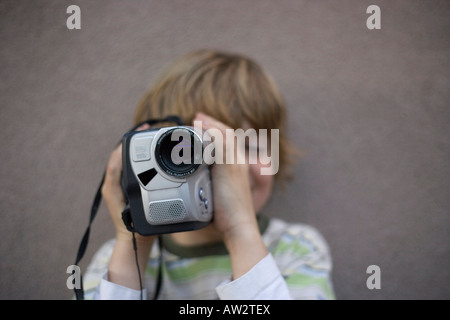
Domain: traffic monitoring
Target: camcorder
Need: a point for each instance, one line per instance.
(166, 183)
(165, 180)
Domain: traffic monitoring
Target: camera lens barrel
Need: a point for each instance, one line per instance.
(179, 152)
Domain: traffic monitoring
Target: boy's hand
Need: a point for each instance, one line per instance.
(113, 194)
(234, 215)
(122, 266)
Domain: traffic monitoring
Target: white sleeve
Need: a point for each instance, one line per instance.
(263, 282)
(112, 291)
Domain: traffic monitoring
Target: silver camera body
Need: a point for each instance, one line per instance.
(166, 183)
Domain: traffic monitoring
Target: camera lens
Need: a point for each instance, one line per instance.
(175, 152)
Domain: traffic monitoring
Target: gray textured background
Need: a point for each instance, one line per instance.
(369, 108)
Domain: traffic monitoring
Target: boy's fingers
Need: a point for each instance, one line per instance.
(209, 122)
(145, 126)
(230, 152)
(114, 169)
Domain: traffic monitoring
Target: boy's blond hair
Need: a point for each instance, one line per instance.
(229, 87)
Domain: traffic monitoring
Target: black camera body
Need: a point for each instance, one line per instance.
(166, 183)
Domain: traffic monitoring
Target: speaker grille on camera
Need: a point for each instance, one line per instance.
(165, 212)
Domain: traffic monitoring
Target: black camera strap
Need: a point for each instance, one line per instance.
(126, 218)
(79, 292)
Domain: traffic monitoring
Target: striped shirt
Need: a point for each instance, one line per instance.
(299, 251)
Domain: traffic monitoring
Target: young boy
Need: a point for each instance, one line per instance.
(240, 255)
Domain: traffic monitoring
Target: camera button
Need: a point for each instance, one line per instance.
(141, 149)
(201, 194)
